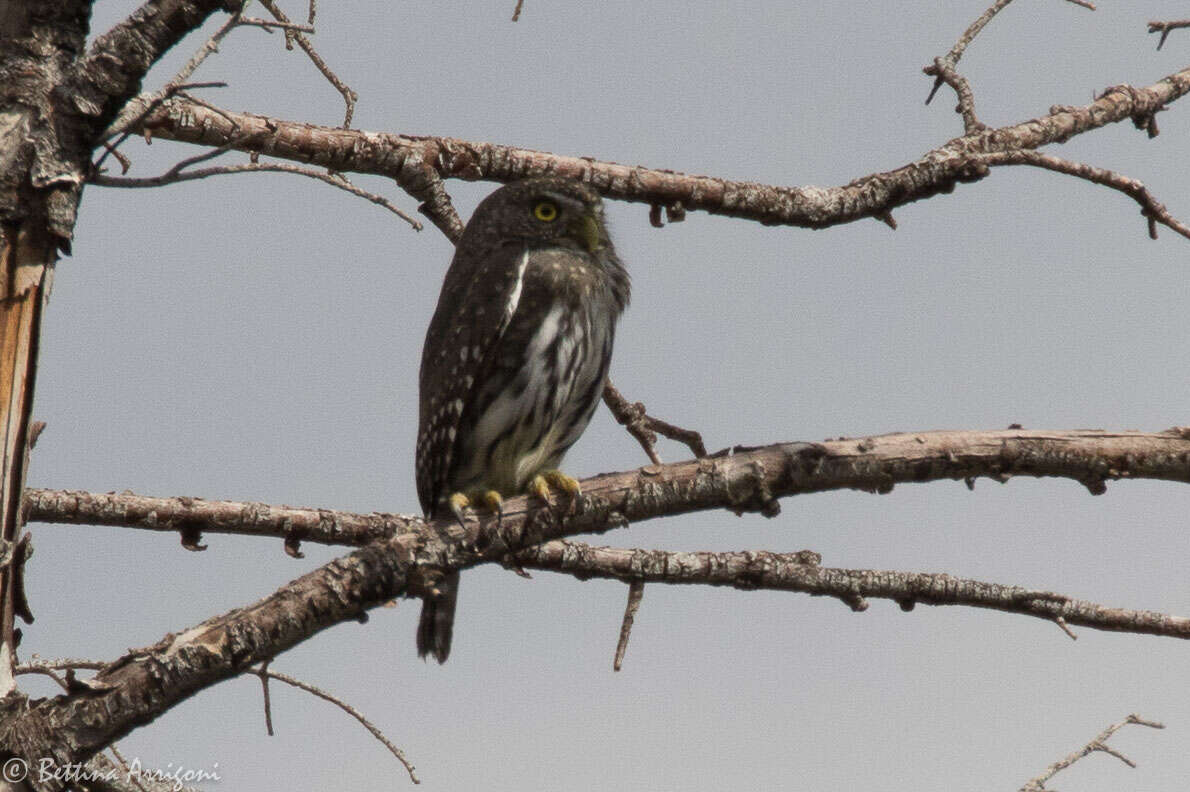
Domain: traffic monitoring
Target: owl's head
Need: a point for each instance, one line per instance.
(558, 212)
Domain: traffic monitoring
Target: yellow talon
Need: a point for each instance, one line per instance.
(560, 480)
(458, 502)
(543, 482)
(495, 503)
(492, 500)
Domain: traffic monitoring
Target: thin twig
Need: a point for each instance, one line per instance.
(645, 427)
(208, 48)
(130, 117)
(263, 673)
(1099, 743)
(945, 73)
(943, 69)
(37, 665)
(636, 591)
(350, 710)
(126, 128)
(516, 13)
(1152, 209)
(269, 25)
(350, 97)
(1164, 27)
(174, 175)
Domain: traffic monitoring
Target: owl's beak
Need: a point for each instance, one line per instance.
(586, 230)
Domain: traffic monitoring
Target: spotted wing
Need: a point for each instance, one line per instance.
(479, 296)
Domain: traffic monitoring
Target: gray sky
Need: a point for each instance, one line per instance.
(257, 338)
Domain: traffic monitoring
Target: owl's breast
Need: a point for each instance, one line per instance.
(533, 421)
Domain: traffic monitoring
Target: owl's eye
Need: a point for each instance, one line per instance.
(545, 211)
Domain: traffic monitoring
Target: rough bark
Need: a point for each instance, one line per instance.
(55, 101)
(418, 163)
(870, 464)
(145, 683)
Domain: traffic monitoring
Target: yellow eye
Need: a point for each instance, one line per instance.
(546, 211)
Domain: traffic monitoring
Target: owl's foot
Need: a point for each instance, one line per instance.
(543, 482)
(489, 499)
(458, 503)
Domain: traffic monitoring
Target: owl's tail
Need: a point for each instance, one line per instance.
(438, 620)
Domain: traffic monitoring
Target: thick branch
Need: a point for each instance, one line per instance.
(871, 464)
(416, 162)
(143, 684)
(112, 71)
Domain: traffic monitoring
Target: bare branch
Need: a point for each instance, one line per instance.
(321, 526)
(960, 46)
(37, 665)
(265, 674)
(1099, 743)
(292, 36)
(943, 72)
(943, 68)
(264, 692)
(800, 572)
(417, 163)
(176, 174)
(644, 427)
(762, 474)
(147, 682)
(270, 25)
(1165, 27)
(208, 48)
(112, 71)
(636, 592)
(1152, 209)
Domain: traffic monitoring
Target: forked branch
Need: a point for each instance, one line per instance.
(418, 164)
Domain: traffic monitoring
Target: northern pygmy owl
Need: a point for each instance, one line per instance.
(515, 358)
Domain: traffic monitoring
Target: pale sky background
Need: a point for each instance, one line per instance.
(257, 338)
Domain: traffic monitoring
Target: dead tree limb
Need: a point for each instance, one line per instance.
(418, 163)
(869, 464)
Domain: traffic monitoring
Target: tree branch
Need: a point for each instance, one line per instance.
(418, 163)
(1098, 743)
(145, 683)
(265, 674)
(644, 427)
(1165, 27)
(177, 175)
(112, 71)
(754, 570)
(1153, 210)
(758, 477)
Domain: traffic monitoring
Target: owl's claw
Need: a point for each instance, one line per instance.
(458, 505)
(459, 502)
(543, 482)
(495, 503)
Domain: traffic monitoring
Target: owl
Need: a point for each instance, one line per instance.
(515, 359)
